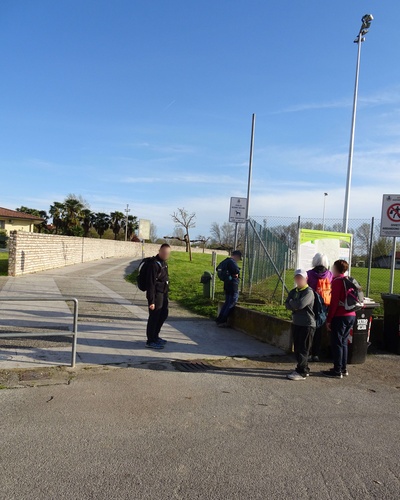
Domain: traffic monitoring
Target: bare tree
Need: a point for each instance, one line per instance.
(187, 220)
(223, 235)
(203, 240)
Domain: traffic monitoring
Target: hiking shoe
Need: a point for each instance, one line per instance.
(222, 325)
(345, 373)
(161, 341)
(332, 374)
(296, 376)
(154, 345)
(315, 359)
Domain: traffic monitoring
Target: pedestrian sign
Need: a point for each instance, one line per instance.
(390, 223)
(237, 211)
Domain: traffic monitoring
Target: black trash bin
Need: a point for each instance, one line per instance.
(391, 322)
(359, 337)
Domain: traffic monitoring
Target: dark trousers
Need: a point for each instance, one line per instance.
(302, 340)
(231, 299)
(317, 341)
(157, 317)
(340, 331)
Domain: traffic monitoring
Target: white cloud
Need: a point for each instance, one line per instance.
(382, 97)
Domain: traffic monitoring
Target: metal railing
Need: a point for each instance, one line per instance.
(73, 334)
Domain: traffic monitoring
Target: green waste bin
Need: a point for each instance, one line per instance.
(206, 280)
(359, 336)
(391, 322)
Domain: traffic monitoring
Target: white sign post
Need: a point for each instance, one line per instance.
(390, 227)
(237, 214)
(237, 210)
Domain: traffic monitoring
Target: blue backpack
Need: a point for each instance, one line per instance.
(320, 310)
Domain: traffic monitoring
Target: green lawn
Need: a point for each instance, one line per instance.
(187, 290)
(185, 286)
(3, 264)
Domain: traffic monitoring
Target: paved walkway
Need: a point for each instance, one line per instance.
(112, 316)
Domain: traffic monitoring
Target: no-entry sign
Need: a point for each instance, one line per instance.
(390, 223)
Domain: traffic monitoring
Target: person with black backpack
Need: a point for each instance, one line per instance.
(229, 272)
(153, 279)
(346, 299)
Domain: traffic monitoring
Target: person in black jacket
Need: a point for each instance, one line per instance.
(157, 297)
(231, 287)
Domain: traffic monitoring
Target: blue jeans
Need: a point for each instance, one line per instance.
(340, 331)
(231, 299)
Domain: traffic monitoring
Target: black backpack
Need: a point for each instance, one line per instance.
(143, 271)
(320, 310)
(223, 272)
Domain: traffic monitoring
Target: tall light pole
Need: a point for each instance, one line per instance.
(323, 212)
(127, 210)
(366, 23)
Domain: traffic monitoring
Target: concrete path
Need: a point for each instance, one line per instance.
(112, 321)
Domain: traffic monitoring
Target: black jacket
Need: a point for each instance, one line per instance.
(157, 279)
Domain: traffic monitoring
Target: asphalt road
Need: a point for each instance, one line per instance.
(241, 432)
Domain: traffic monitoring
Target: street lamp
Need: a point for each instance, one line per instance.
(323, 212)
(366, 23)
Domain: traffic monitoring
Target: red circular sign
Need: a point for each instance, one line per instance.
(393, 212)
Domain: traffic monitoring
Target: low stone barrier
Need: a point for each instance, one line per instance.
(277, 331)
(34, 252)
(262, 326)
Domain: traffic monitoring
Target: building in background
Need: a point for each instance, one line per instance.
(11, 220)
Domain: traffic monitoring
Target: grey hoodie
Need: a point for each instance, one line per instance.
(301, 303)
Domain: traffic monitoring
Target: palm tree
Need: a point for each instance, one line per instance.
(73, 215)
(116, 218)
(101, 222)
(57, 211)
(132, 226)
(88, 218)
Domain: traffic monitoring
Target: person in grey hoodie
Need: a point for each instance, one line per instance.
(301, 302)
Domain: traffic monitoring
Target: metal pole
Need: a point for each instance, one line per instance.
(393, 267)
(323, 212)
(214, 264)
(371, 243)
(253, 126)
(75, 331)
(298, 242)
(284, 277)
(351, 148)
(235, 242)
(127, 210)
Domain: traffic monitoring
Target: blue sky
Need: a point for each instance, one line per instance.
(150, 103)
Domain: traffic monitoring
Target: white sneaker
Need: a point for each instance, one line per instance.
(295, 376)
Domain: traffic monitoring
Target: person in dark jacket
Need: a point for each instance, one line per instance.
(301, 302)
(231, 288)
(157, 297)
(320, 279)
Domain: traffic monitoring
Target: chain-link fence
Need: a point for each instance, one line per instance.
(271, 251)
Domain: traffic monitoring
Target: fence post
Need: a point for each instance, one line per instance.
(284, 277)
(214, 264)
(252, 271)
(371, 243)
(393, 266)
(244, 262)
(298, 242)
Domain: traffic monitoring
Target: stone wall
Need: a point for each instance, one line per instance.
(34, 252)
(262, 326)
